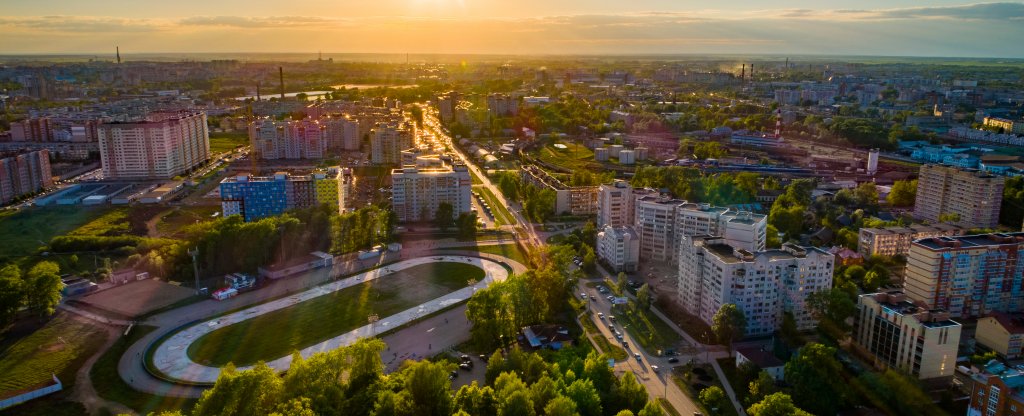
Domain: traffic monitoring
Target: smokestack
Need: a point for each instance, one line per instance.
(257, 90)
(118, 48)
(787, 64)
(280, 74)
(743, 73)
(751, 72)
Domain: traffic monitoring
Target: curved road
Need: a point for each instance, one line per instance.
(171, 357)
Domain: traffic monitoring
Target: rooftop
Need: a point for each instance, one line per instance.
(1013, 322)
(760, 357)
(971, 241)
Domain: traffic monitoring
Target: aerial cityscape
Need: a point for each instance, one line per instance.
(474, 207)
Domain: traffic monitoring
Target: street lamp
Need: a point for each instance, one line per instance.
(195, 265)
(372, 319)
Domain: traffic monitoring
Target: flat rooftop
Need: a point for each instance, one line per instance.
(971, 241)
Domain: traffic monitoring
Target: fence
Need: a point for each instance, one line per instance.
(34, 394)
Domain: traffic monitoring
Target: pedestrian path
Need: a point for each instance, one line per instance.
(171, 357)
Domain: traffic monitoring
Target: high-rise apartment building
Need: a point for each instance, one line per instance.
(973, 196)
(342, 133)
(970, 275)
(24, 173)
(895, 241)
(295, 139)
(417, 192)
(165, 145)
(502, 105)
(740, 229)
(655, 223)
(614, 203)
(905, 335)
(619, 248)
(764, 285)
(255, 197)
(388, 140)
(36, 129)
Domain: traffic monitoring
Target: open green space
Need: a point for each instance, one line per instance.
(276, 334)
(511, 251)
(651, 332)
(27, 359)
(693, 380)
(614, 351)
(109, 384)
(23, 232)
(173, 222)
(573, 157)
(224, 142)
(498, 209)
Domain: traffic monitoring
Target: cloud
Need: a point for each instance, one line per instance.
(978, 11)
(79, 24)
(260, 22)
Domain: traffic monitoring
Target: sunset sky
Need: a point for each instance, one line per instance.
(866, 27)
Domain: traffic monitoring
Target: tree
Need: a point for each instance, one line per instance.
(429, 388)
(560, 406)
(762, 386)
(516, 403)
(476, 400)
(651, 409)
(12, 294)
(620, 283)
(729, 324)
(709, 150)
(630, 394)
(712, 397)
(587, 400)
(949, 217)
(256, 391)
(833, 305)
(444, 216)
(776, 404)
(42, 288)
(466, 223)
(542, 392)
(643, 297)
(816, 378)
(903, 193)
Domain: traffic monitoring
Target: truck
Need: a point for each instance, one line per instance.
(225, 293)
(240, 281)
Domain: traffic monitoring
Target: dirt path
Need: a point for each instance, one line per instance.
(85, 393)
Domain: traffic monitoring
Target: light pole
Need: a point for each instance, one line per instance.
(195, 265)
(372, 319)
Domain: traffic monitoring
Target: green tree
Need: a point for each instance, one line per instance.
(620, 283)
(429, 388)
(561, 406)
(444, 216)
(772, 237)
(466, 223)
(516, 403)
(583, 393)
(651, 409)
(543, 392)
(833, 305)
(776, 404)
(255, 391)
(816, 378)
(476, 400)
(903, 193)
(629, 394)
(643, 297)
(12, 294)
(729, 324)
(295, 407)
(712, 397)
(762, 386)
(42, 288)
(391, 403)
(709, 150)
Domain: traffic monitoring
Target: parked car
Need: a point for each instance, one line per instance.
(637, 356)
(466, 366)
(673, 360)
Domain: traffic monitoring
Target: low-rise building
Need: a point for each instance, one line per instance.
(765, 285)
(764, 360)
(1002, 333)
(895, 241)
(574, 200)
(905, 335)
(997, 390)
(619, 247)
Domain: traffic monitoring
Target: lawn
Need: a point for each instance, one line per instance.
(573, 157)
(171, 224)
(24, 231)
(614, 351)
(651, 332)
(109, 385)
(501, 214)
(224, 142)
(511, 251)
(114, 222)
(276, 334)
(59, 347)
(695, 381)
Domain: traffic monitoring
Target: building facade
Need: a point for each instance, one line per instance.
(905, 335)
(997, 390)
(970, 275)
(417, 192)
(740, 229)
(23, 174)
(388, 140)
(655, 223)
(301, 139)
(1002, 333)
(573, 200)
(973, 196)
(764, 285)
(614, 203)
(619, 248)
(895, 241)
(165, 145)
(256, 197)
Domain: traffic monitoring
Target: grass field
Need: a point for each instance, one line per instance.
(180, 217)
(223, 142)
(59, 347)
(110, 386)
(276, 334)
(691, 384)
(24, 231)
(651, 332)
(114, 222)
(573, 157)
(614, 351)
(498, 209)
(511, 251)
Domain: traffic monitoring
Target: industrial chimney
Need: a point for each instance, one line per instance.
(743, 73)
(280, 74)
(118, 48)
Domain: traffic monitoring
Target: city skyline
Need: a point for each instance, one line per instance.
(900, 28)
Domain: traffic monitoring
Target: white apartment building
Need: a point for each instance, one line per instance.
(388, 140)
(417, 192)
(302, 139)
(974, 196)
(763, 284)
(893, 241)
(905, 335)
(342, 133)
(165, 145)
(619, 247)
(655, 223)
(740, 229)
(614, 203)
